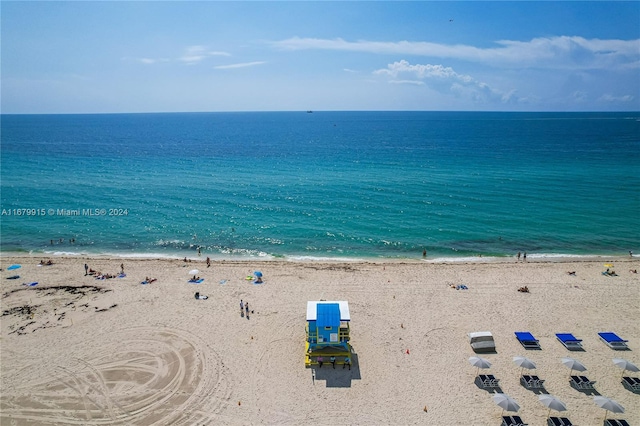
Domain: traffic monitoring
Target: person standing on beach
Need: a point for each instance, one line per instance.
(241, 306)
(320, 361)
(86, 269)
(208, 262)
(424, 253)
(122, 268)
(524, 257)
(518, 256)
(347, 361)
(246, 307)
(333, 361)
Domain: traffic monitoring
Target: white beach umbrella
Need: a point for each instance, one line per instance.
(505, 402)
(193, 272)
(608, 404)
(524, 362)
(552, 403)
(625, 365)
(573, 364)
(476, 361)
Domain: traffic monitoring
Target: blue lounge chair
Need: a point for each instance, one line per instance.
(569, 341)
(613, 341)
(527, 340)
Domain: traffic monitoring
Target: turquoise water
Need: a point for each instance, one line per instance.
(322, 185)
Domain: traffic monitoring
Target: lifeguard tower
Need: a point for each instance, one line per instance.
(327, 331)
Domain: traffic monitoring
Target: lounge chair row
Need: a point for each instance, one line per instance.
(581, 382)
(631, 383)
(512, 421)
(528, 341)
(488, 381)
(531, 382)
(559, 421)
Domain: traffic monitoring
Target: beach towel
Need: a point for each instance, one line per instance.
(30, 284)
(144, 282)
(196, 281)
(223, 281)
(122, 275)
(13, 277)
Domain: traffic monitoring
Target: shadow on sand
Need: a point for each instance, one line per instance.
(339, 377)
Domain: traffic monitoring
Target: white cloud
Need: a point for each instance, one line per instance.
(146, 61)
(579, 96)
(192, 55)
(240, 65)
(445, 80)
(414, 82)
(610, 98)
(195, 54)
(543, 52)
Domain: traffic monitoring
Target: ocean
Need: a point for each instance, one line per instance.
(321, 185)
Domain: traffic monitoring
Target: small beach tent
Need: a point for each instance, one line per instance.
(327, 329)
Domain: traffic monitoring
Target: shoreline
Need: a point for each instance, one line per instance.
(531, 258)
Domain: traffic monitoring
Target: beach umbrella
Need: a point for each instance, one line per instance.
(12, 267)
(505, 402)
(608, 404)
(257, 273)
(193, 272)
(476, 361)
(625, 365)
(523, 362)
(552, 403)
(573, 364)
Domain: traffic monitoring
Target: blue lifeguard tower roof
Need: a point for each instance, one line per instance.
(328, 315)
(313, 311)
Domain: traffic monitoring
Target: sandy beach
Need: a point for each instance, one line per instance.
(76, 350)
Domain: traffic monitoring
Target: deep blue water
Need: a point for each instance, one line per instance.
(326, 184)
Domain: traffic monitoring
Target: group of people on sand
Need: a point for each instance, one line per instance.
(523, 255)
(244, 308)
(524, 289)
(332, 360)
(99, 275)
(47, 262)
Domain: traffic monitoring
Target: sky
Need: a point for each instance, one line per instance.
(184, 56)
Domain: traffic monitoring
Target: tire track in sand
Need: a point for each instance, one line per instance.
(142, 375)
